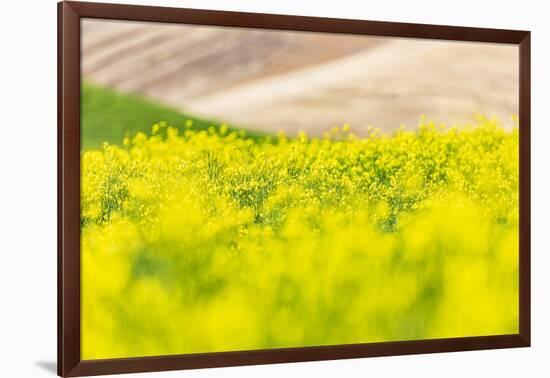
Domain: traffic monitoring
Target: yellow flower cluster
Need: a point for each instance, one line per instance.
(203, 241)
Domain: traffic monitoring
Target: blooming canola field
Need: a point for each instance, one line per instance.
(198, 241)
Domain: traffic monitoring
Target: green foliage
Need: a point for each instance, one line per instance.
(201, 241)
(109, 116)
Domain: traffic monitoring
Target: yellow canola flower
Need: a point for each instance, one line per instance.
(200, 241)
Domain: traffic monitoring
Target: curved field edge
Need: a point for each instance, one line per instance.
(108, 115)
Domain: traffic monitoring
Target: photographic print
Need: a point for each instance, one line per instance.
(253, 189)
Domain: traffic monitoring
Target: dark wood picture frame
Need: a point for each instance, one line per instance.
(69, 82)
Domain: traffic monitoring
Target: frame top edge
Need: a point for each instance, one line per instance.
(210, 17)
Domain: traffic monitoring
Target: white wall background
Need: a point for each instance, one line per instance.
(28, 187)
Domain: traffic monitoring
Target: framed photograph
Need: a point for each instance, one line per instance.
(240, 188)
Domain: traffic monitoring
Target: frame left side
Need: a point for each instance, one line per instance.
(68, 208)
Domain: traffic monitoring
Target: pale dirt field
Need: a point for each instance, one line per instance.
(273, 80)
